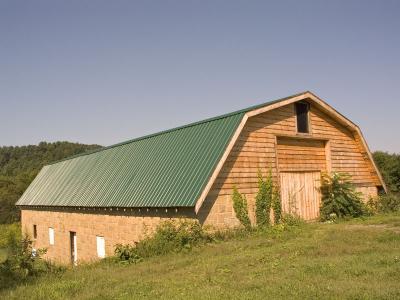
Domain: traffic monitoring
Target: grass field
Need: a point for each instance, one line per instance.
(351, 260)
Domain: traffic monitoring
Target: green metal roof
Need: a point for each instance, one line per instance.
(166, 169)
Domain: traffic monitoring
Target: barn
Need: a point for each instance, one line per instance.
(81, 207)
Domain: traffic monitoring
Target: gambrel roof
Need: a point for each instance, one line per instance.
(173, 168)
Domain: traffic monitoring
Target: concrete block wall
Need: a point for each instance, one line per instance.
(125, 227)
(117, 226)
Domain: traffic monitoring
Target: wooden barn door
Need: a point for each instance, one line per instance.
(300, 194)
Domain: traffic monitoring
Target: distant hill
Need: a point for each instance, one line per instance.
(19, 166)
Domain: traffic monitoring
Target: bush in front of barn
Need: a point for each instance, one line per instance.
(170, 236)
(386, 203)
(389, 203)
(340, 198)
(178, 236)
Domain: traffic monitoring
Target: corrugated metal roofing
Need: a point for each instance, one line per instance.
(167, 169)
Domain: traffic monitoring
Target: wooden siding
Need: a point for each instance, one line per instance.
(300, 154)
(347, 153)
(258, 146)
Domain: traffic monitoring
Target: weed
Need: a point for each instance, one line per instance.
(264, 199)
(240, 208)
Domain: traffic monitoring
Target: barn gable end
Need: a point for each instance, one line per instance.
(269, 140)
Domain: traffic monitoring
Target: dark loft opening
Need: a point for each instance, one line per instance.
(34, 232)
(302, 109)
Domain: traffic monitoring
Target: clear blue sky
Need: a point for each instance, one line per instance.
(107, 71)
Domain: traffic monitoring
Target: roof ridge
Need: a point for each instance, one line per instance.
(244, 110)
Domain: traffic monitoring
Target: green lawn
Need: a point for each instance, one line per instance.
(350, 260)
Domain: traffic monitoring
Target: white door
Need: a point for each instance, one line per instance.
(101, 247)
(300, 194)
(51, 236)
(74, 248)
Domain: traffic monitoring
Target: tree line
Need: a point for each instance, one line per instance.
(19, 165)
(389, 165)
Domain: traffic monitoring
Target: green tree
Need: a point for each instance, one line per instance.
(389, 166)
(20, 165)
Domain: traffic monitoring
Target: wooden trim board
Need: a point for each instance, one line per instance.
(220, 164)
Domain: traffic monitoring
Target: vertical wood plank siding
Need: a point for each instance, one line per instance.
(300, 194)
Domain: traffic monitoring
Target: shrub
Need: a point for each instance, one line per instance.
(384, 204)
(127, 253)
(372, 205)
(240, 208)
(264, 200)
(169, 236)
(339, 197)
(389, 203)
(22, 260)
(172, 236)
